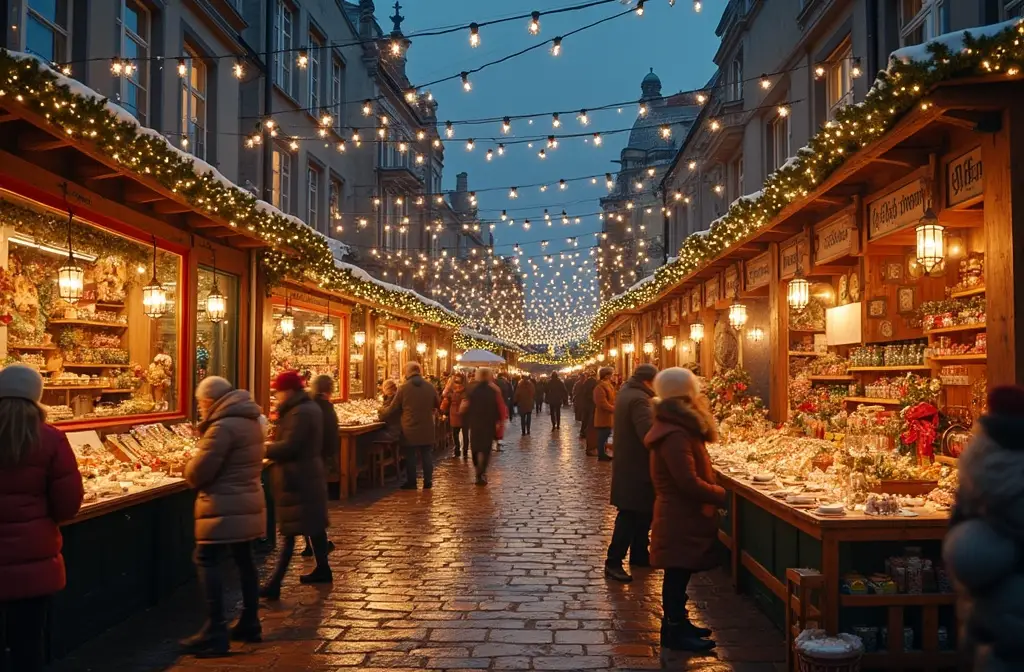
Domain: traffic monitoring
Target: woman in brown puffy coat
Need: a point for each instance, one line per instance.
(684, 530)
(230, 508)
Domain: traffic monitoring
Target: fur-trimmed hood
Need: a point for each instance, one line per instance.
(682, 414)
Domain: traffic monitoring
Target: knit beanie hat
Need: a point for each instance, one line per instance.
(288, 381)
(213, 388)
(604, 372)
(676, 382)
(645, 372)
(21, 382)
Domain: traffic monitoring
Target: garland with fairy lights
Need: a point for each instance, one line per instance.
(902, 87)
(471, 340)
(26, 81)
(577, 354)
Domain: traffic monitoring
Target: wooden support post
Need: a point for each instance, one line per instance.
(778, 342)
(707, 346)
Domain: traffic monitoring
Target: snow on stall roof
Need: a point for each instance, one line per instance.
(472, 333)
(953, 41)
(360, 274)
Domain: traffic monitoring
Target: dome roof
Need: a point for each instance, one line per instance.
(650, 86)
(646, 132)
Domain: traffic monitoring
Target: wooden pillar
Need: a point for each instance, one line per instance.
(778, 342)
(263, 339)
(707, 346)
(1002, 154)
(370, 354)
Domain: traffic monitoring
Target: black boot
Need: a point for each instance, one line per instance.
(682, 636)
(248, 629)
(307, 552)
(212, 640)
(318, 575)
(697, 630)
(271, 591)
(617, 573)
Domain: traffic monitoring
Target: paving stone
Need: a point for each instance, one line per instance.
(506, 577)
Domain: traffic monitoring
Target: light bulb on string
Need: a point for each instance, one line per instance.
(238, 70)
(182, 67)
(608, 181)
(490, 154)
(701, 98)
(396, 48)
(555, 121)
(556, 46)
(642, 110)
(697, 6)
(513, 192)
(563, 185)
(640, 7)
(552, 142)
(506, 125)
(367, 108)
(715, 125)
(303, 59)
(534, 25)
(466, 86)
(501, 149)
(783, 111)
(470, 144)
(856, 70)
(449, 130)
(474, 35)
(765, 82)
(597, 139)
(819, 71)
(583, 118)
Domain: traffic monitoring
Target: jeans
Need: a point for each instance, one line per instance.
(556, 415)
(464, 431)
(410, 464)
(603, 434)
(284, 558)
(208, 559)
(24, 633)
(673, 594)
(631, 533)
(525, 421)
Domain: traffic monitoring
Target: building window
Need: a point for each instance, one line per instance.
(314, 74)
(193, 104)
(46, 30)
(337, 90)
(1013, 9)
(282, 183)
(922, 20)
(778, 142)
(735, 88)
(133, 26)
(737, 177)
(283, 22)
(335, 201)
(839, 85)
(313, 197)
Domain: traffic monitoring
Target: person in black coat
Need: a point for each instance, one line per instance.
(541, 390)
(484, 410)
(323, 389)
(556, 395)
(585, 403)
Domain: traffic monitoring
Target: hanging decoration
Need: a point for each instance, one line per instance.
(798, 293)
(287, 319)
(70, 276)
(737, 315)
(669, 342)
(697, 332)
(216, 303)
(154, 296)
(931, 242)
(359, 338)
(327, 327)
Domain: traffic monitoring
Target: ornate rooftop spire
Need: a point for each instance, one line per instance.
(397, 19)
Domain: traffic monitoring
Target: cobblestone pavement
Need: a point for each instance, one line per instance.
(506, 576)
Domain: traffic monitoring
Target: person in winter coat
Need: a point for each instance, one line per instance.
(230, 509)
(452, 405)
(525, 394)
(323, 389)
(684, 530)
(984, 547)
(632, 491)
(298, 482)
(604, 410)
(40, 488)
(506, 393)
(414, 405)
(585, 402)
(557, 396)
(542, 388)
(485, 411)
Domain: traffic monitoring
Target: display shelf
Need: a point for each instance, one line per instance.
(973, 291)
(111, 390)
(981, 326)
(93, 365)
(960, 358)
(908, 367)
(798, 353)
(873, 400)
(72, 387)
(898, 600)
(90, 323)
(807, 331)
(31, 347)
(823, 379)
(946, 459)
(109, 306)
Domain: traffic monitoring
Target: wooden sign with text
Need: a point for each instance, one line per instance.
(834, 240)
(898, 209)
(964, 178)
(793, 253)
(712, 291)
(759, 271)
(732, 281)
(695, 303)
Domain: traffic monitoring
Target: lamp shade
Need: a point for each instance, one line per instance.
(70, 281)
(600, 357)
(737, 315)
(931, 242)
(216, 305)
(360, 338)
(628, 348)
(648, 348)
(669, 342)
(756, 334)
(328, 330)
(287, 322)
(421, 347)
(154, 299)
(697, 332)
(798, 294)
(442, 353)
(399, 345)
(613, 353)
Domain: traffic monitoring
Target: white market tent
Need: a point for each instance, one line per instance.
(480, 358)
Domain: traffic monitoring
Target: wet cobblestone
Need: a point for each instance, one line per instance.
(503, 577)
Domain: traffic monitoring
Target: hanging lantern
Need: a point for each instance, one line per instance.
(287, 319)
(399, 345)
(216, 303)
(756, 334)
(697, 332)
(458, 358)
(737, 315)
(798, 294)
(154, 296)
(628, 348)
(328, 329)
(669, 342)
(442, 353)
(931, 242)
(421, 347)
(360, 338)
(648, 348)
(70, 276)
(600, 356)
(613, 353)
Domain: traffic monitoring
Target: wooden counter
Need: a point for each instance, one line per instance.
(110, 505)
(349, 470)
(765, 536)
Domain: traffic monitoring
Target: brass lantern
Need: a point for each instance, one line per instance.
(648, 348)
(613, 353)
(628, 348)
(287, 319)
(756, 334)
(737, 315)
(328, 329)
(931, 242)
(399, 345)
(798, 294)
(669, 342)
(216, 303)
(70, 276)
(421, 348)
(154, 296)
(697, 332)
(360, 338)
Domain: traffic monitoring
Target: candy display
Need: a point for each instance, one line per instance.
(357, 412)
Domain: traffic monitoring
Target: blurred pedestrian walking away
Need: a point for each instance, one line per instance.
(524, 399)
(557, 396)
(298, 482)
(684, 530)
(230, 508)
(452, 405)
(414, 405)
(604, 411)
(40, 488)
(323, 390)
(485, 411)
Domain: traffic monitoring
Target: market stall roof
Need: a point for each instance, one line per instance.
(480, 358)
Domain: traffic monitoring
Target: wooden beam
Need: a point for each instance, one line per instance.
(170, 208)
(909, 157)
(138, 194)
(963, 218)
(195, 221)
(778, 343)
(39, 143)
(87, 170)
(950, 119)
(244, 242)
(5, 117)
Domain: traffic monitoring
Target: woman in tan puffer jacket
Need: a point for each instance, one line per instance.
(230, 508)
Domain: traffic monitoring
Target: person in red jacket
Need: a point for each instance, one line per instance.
(40, 488)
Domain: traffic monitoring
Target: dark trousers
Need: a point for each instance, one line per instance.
(481, 458)
(209, 559)
(464, 431)
(410, 464)
(284, 558)
(525, 421)
(510, 405)
(673, 594)
(556, 415)
(631, 533)
(540, 406)
(588, 421)
(24, 633)
(603, 434)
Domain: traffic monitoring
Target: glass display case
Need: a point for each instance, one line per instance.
(307, 341)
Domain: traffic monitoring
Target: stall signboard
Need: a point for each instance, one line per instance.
(695, 302)
(835, 239)
(759, 271)
(964, 178)
(732, 281)
(898, 209)
(793, 254)
(712, 291)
